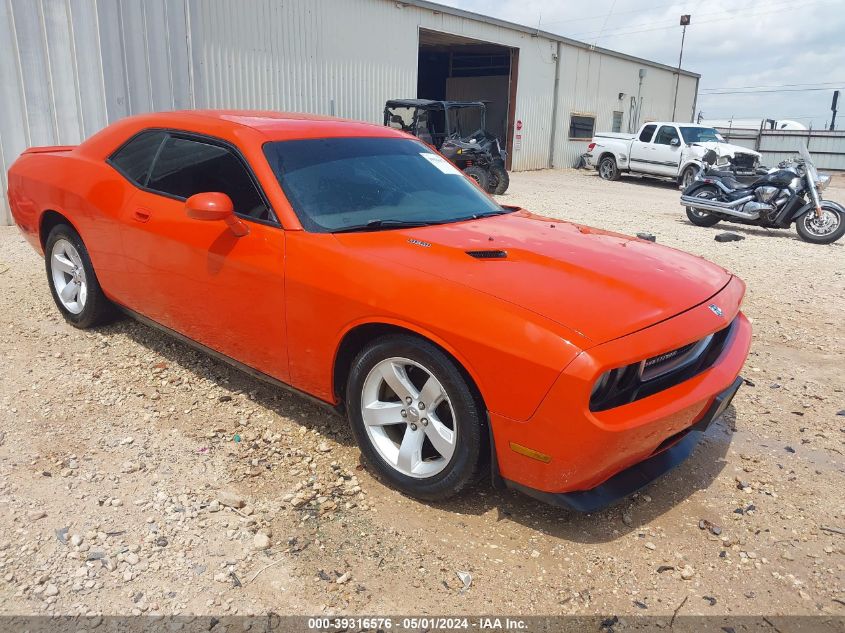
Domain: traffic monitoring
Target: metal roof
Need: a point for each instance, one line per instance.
(470, 15)
(428, 103)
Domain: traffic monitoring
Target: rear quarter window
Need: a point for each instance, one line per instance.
(135, 157)
(647, 133)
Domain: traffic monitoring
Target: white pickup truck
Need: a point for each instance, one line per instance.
(671, 150)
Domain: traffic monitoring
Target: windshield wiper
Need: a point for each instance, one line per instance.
(383, 224)
(477, 216)
(374, 225)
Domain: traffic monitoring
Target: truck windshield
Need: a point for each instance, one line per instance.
(345, 184)
(701, 135)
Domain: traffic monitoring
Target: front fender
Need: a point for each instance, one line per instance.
(691, 162)
(830, 204)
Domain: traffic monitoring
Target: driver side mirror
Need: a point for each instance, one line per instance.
(675, 142)
(215, 206)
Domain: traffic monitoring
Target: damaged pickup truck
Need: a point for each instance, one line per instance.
(670, 150)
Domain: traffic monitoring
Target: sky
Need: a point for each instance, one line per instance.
(794, 50)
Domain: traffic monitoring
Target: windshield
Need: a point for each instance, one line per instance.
(337, 184)
(808, 161)
(464, 120)
(701, 135)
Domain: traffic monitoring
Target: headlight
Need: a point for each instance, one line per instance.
(822, 182)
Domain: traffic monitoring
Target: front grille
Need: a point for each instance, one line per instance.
(627, 384)
(744, 163)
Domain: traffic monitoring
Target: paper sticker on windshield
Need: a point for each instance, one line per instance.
(441, 163)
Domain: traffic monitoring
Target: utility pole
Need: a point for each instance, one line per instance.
(833, 108)
(685, 20)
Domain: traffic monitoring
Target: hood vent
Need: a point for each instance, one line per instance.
(488, 254)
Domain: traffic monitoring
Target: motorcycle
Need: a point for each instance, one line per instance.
(785, 195)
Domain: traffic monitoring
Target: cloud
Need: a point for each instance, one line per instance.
(731, 43)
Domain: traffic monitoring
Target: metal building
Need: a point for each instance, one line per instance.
(69, 67)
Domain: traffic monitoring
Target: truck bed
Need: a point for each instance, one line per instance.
(616, 135)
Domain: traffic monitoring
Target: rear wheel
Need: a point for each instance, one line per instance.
(702, 218)
(821, 230)
(503, 180)
(479, 175)
(608, 170)
(414, 417)
(73, 283)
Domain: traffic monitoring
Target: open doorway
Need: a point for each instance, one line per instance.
(456, 68)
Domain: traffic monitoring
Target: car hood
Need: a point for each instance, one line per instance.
(724, 149)
(599, 284)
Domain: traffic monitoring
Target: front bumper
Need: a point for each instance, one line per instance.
(639, 475)
(565, 447)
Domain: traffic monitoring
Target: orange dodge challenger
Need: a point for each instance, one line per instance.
(352, 263)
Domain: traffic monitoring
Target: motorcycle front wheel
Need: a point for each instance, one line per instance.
(702, 218)
(821, 230)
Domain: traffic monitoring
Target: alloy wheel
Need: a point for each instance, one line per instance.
(706, 195)
(68, 276)
(822, 226)
(409, 417)
(606, 169)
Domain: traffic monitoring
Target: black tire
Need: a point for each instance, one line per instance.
(811, 234)
(502, 178)
(608, 169)
(97, 309)
(466, 462)
(688, 177)
(701, 218)
(479, 175)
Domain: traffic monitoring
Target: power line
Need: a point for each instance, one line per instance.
(723, 12)
(598, 17)
(757, 92)
(777, 9)
(812, 84)
(607, 17)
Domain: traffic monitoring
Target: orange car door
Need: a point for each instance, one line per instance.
(196, 277)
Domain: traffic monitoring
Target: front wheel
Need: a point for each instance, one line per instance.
(688, 176)
(821, 230)
(503, 180)
(479, 175)
(702, 218)
(414, 417)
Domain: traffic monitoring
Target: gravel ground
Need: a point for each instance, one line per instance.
(139, 476)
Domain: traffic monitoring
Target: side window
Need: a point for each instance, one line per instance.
(134, 159)
(617, 122)
(647, 133)
(665, 135)
(581, 126)
(188, 166)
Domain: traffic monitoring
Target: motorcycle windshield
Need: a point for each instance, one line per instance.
(808, 162)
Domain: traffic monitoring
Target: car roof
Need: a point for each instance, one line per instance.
(678, 124)
(270, 124)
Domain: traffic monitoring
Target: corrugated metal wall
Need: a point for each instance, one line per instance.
(826, 147)
(69, 67)
(591, 83)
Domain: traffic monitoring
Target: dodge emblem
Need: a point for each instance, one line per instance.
(715, 309)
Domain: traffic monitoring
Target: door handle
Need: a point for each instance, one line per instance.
(141, 215)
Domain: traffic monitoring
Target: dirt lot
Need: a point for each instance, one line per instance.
(123, 452)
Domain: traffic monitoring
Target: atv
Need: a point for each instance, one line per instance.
(441, 125)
